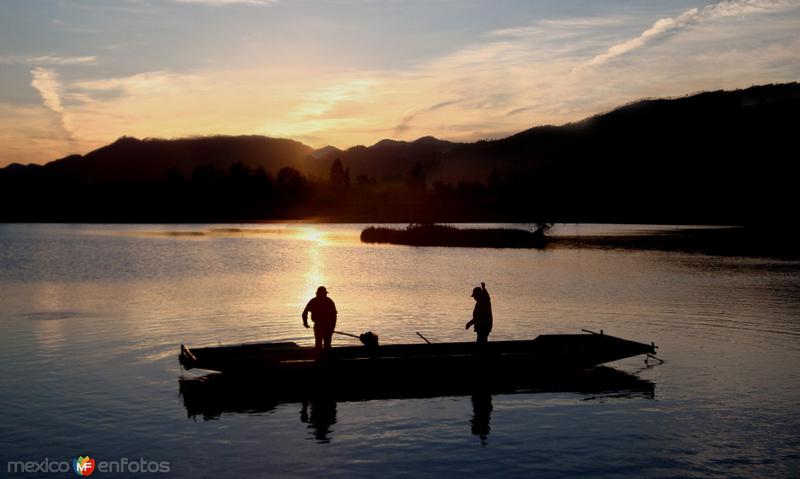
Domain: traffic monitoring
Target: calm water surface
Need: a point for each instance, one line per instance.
(91, 317)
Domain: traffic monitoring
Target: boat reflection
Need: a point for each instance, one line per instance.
(213, 395)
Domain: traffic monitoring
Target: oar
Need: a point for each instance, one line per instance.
(423, 337)
(347, 334)
(368, 339)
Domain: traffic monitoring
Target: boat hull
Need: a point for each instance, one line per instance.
(417, 363)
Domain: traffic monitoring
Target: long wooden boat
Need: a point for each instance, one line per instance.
(288, 363)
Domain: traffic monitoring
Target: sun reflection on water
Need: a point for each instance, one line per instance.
(315, 274)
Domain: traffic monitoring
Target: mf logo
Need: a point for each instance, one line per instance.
(83, 465)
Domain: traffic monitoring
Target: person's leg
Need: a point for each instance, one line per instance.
(317, 338)
(328, 338)
(483, 337)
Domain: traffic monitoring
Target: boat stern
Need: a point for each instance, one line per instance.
(186, 358)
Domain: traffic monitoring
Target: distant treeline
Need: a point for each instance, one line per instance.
(241, 193)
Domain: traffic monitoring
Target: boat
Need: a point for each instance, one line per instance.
(289, 365)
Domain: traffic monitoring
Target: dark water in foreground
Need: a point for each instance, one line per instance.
(91, 318)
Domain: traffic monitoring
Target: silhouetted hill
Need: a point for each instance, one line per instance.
(326, 151)
(391, 158)
(131, 159)
(708, 122)
(716, 155)
(698, 142)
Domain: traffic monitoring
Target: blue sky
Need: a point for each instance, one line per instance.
(77, 74)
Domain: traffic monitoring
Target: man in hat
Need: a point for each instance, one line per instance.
(323, 314)
(482, 314)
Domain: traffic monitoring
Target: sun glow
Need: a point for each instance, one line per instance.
(312, 234)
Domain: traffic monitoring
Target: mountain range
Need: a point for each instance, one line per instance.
(723, 156)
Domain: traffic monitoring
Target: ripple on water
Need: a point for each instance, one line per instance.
(54, 315)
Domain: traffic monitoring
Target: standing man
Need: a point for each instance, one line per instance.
(482, 314)
(323, 314)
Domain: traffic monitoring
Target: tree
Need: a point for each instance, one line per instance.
(239, 172)
(206, 176)
(494, 180)
(340, 177)
(364, 181)
(264, 181)
(416, 180)
(542, 228)
(291, 184)
(175, 178)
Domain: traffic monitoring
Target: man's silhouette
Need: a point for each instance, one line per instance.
(482, 314)
(323, 314)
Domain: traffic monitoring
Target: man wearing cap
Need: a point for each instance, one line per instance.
(482, 314)
(323, 314)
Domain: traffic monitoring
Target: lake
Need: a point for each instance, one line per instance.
(92, 316)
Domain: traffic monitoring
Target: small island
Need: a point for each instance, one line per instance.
(416, 234)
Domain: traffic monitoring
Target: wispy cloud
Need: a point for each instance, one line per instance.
(45, 60)
(499, 83)
(665, 27)
(406, 123)
(567, 25)
(154, 83)
(48, 83)
(220, 3)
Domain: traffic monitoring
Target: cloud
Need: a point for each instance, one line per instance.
(665, 27)
(220, 3)
(46, 82)
(45, 60)
(406, 122)
(517, 111)
(500, 83)
(148, 83)
(562, 26)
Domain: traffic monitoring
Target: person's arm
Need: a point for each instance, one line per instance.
(485, 291)
(305, 314)
(472, 321)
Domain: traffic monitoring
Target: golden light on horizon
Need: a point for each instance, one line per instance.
(310, 233)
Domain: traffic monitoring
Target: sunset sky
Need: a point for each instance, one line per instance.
(77, 74)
